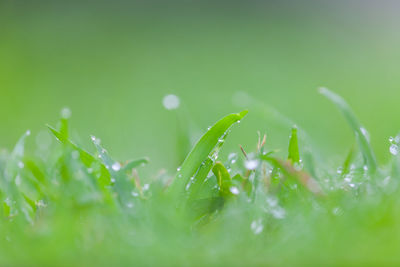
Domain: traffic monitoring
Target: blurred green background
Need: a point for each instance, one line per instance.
(112, 62)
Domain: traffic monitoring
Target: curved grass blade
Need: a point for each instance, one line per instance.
(86, 158)
(203, 148)
(365, 147)
(134, 163)
(288, 170)
(223, 178)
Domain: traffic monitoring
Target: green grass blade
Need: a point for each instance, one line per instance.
(199, 178)
(86, 158)
(223, 178)
(347, 163)
(294, 154)
(365, 147)
(203, 148)
(134, 163)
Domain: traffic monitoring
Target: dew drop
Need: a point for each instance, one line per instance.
(66, 113)
(116, 166)
(234, 190)
(146, 187)
(394, 149)
(256, 226)
(28, 133)
(278, 213)
(251, 164)
(18, 180)
(21, 165)
(171, 102)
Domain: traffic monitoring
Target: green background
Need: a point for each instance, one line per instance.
(113, 62)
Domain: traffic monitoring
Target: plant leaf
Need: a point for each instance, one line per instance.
(294, 154)
(203, 148)
(359, 131)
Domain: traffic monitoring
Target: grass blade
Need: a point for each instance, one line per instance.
(365, 147)
(223, 178)
(134, 163)
(203, 148)
(294, 154)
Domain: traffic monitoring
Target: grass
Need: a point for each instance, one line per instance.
(67, 206)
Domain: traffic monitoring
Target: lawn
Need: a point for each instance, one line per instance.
(199, 134)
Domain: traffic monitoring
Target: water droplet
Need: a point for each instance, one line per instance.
(232, 158)
(337, 211)
(116, 166)
(134, 194)
(391, 139)
(394, 149)
(272, 201)
(278, 213)
(257, 227)
(208, 128)
(95, 140)
(251, 164)
(347, 179)
(28, 133)
(171, 102)
(129, 205)
(352, 185)
(21, 165)
(365, 133)
(234, 190)
(66, 113)
(188, 186)
(179, 169)
(112, 180)
(238, 121)
(18, 180)
(146, 187)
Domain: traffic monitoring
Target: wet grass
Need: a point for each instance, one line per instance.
(65, 205)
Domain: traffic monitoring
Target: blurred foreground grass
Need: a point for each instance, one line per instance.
(65, 206)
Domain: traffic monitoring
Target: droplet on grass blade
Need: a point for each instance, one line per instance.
(394, 149)
(234, 190)
(66, 113)
(116, 166)
(251, 164)
(171, 102)
(278, 213)
(21, 165)
(256, 226)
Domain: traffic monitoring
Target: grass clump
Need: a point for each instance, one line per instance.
(73, 207)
